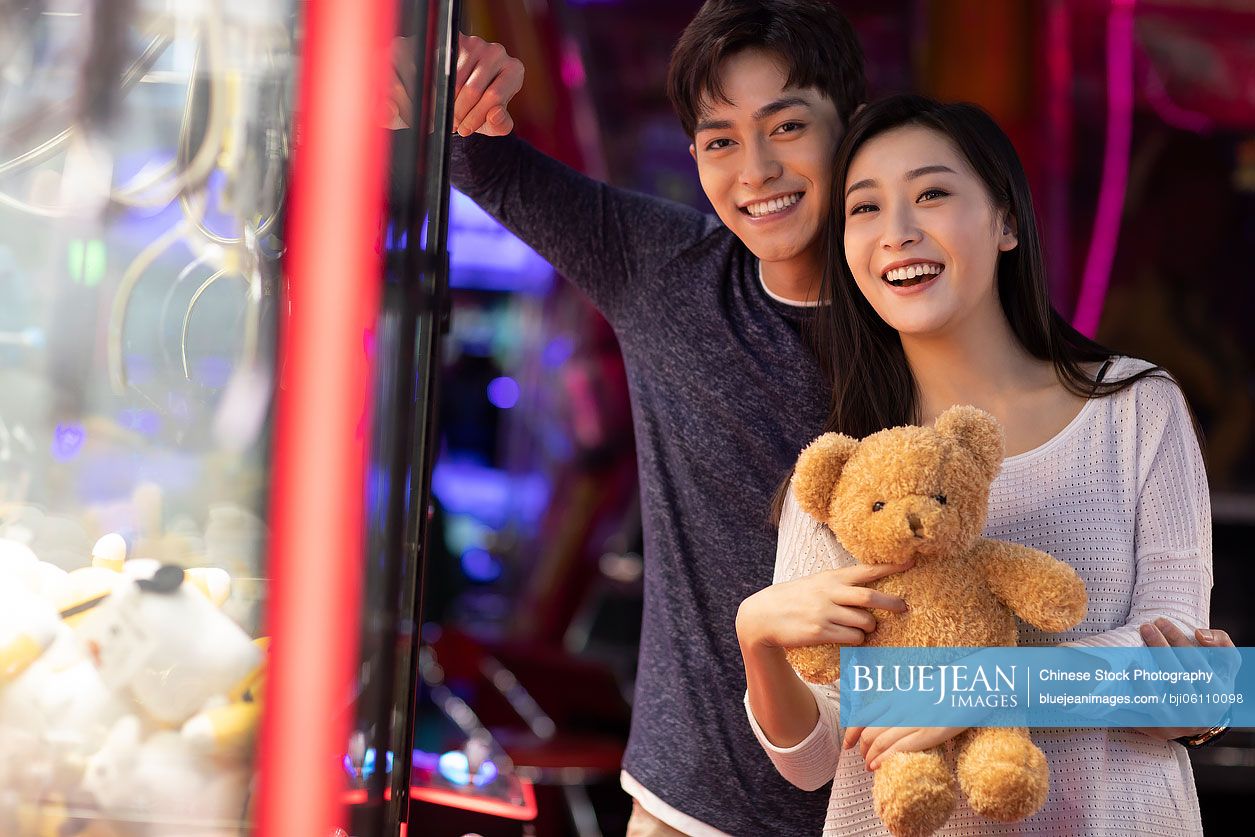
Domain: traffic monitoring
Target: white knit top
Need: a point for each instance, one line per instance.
(1121, 495)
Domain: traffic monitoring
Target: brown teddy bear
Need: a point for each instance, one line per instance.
(922, 493)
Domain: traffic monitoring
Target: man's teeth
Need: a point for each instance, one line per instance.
(901, 274)
(767, 207)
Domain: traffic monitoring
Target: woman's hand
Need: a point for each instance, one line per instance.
(828, 607)
(1162, 633)
(877, 742)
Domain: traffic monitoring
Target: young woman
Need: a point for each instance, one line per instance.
(938, 297)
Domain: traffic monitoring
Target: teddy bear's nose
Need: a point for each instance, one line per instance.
(917, 526)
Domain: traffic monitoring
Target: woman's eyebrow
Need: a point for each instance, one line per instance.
(866, 183)
(910, 175)
(923, 170)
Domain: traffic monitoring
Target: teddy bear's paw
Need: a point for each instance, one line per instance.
(819, 664)
(914, 793)
(1003, 775)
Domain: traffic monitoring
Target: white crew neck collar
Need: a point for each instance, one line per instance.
(793, 302)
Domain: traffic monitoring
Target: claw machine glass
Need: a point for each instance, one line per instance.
(217, 331)
(184, 408)
(143, 169)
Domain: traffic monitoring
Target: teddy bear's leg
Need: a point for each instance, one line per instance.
(1002, 773)
(914, 793)
(816, 663)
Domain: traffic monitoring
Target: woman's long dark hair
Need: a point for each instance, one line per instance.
(862, 355)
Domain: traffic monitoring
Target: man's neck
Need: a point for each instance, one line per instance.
(796, 280)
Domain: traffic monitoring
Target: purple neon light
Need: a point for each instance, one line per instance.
(67, 441)
(1115, 168)
(503, 392)
(478, 564)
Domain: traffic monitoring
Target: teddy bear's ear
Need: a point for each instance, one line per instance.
(976, 431)
(818, 471)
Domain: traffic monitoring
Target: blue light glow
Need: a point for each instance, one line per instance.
(454, 767)
(484, 255)
(67, 441)
(213, 371)
(558, 351)
(143, 421)
(489, 495)
(480, 565)
(368, 763)
(503, 392)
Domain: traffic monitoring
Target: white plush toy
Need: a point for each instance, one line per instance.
(165, 645)
(19, 564)
(54, 708)
(125, 680)
(28, 625)
(158, 776)
(85, 587)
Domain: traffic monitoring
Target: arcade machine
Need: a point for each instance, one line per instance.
(215, 422)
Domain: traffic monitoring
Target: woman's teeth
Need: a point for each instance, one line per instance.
(758, 210)
(905, 277)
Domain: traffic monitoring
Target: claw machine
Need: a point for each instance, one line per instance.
(217, 328)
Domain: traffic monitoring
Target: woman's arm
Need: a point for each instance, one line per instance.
(783, 707)
(810, 603)
(1172, 593)
(1172, 540)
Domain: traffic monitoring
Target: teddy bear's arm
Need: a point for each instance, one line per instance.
(1040, 589)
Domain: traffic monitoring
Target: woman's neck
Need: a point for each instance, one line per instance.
(986, 367)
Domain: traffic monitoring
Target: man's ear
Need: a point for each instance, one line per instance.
(819, 470)
(1009, 235)
(693, 152)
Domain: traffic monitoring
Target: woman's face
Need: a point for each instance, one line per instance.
(922, 237)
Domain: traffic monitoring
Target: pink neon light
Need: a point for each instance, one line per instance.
(1168, 110)
(1058, 152)
(452, 799)
(571, 67)
(1115, 168)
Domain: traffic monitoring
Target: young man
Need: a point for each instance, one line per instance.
(725, 393)
(708, 313)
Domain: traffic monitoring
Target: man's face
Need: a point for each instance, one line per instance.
(765, 157)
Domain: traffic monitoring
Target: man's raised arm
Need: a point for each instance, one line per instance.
(610, 242)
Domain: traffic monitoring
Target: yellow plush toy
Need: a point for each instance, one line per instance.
(922, 493)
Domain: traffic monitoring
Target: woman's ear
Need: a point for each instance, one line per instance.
(1009, 237)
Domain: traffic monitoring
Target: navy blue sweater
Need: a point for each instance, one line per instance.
(724, 396)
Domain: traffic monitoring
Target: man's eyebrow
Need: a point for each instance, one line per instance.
(772, 108)
(769, 109)
(910, 175)
(712, 125)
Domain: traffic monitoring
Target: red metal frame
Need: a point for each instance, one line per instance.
(321, 431)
